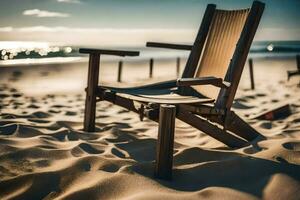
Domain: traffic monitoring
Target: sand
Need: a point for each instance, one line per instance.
(44, 154)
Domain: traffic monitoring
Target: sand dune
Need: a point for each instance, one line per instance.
(44, 154)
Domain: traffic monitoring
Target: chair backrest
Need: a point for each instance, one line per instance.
(221, 49)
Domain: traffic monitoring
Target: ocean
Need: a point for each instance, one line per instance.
(17, 53)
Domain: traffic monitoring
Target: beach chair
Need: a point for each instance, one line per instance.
(202, 97)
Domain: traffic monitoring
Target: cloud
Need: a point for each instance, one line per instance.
(44, 13)
(69, 1)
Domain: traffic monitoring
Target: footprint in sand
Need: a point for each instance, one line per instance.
(71, 113)
(253, 149)
(295, 146)
(72, 136)
(9, 129)
(54, 111)
(250, 97)
(13, 90)
(90, 149)
(118, 153)
(109, 168)
(86, 166)
(102, 116)
(266, 125)
(280, 159)
(296, 120)
(40, 114)
(34, 106)
(239, 105)
(42, 163)
(122, 111)
(39, 121)
(17, 95)
(3, 95)
(260, 95)
(59, 106)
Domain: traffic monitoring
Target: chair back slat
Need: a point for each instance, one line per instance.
(235, 68)
(224, 33)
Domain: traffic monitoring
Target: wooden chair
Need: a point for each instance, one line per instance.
(202, 97)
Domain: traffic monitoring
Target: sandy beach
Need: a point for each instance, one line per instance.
(46, 155)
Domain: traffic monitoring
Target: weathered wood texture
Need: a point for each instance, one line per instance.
(210, 129)
(90, 101)
(236, 66)
(165, 142)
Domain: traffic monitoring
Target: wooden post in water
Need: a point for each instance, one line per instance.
(165, 142)
(151, 68)
(177, 66)
(120, 71)
(250, 61)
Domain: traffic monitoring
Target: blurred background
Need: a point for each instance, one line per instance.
(49, 33)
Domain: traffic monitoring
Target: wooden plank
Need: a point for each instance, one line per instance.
(152, 86)
(165, 142)
(109, 52)
(169, 46)
(241, 128)
(274, 113)
(120, 67)
(251, 73)
(211, 130)
(90, 101)
(210, 80)
(192, 62)
(151, 68)
(236, 66)
(232, 123)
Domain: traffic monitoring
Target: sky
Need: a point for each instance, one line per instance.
(131, 22)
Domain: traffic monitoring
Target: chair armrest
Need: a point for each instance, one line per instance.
(210, 80)
(109, 52)
(169, 46)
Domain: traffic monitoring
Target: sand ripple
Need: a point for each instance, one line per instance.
(44, 154)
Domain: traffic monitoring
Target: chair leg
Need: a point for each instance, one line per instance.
(90, 101)
(210, 129)
(241, 128)
(165, 143)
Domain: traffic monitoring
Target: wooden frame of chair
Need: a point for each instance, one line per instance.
(216, 120)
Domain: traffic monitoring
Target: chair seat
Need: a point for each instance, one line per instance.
(161, 93)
